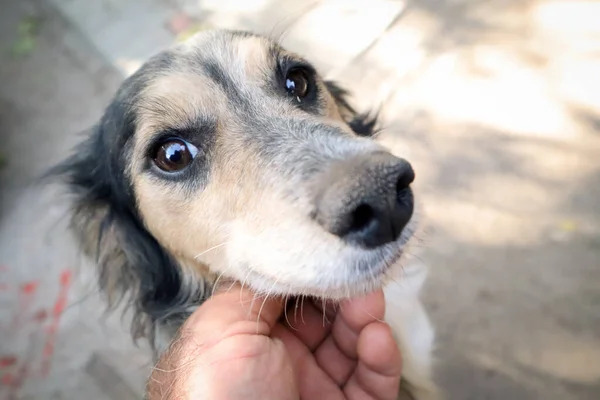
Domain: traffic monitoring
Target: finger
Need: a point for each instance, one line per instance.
(379, 365)
(232, 312)
(334, 362)
(312, 382)
(353, 316)
(312, 327)
(337, 354)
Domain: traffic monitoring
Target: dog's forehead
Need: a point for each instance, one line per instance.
(200, 78)
(237, 56)
(203, 74)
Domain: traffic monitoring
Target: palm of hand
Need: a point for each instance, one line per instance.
(353, 357)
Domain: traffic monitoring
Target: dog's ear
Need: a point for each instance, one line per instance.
(132, 266)
(363, 124)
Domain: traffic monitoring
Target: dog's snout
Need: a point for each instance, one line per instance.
(367, 199)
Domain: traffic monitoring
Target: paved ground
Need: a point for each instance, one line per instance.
(497, 103)
(49, 349)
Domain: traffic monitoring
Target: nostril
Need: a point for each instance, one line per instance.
(401, 190)
(404, 180)
(362, 217)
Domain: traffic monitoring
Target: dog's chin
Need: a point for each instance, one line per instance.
(369, 274)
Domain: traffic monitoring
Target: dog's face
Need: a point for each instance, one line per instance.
(239, 160)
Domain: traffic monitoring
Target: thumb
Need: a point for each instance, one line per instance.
(235, 311)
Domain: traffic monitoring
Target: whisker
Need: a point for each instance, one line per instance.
(264, 302)
(302, 310)
(217, 282)
(209, 250)
(417, 257)
(296, 309)
(371, 315)
(325, 319)
(244, 282)
(285, 313)
(252, 303)
(230, 287)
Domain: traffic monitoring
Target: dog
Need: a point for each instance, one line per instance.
(227, 155)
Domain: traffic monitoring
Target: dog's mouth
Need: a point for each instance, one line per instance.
(366, 273)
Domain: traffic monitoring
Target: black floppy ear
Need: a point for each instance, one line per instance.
(363, 124)
(132, 266)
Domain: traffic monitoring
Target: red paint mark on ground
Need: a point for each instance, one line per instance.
(15, 381)
(26, 296)
(18, 381)
(8, 379)
(40, 316)
(65, 277)
(29, 287)
(59, 306)
(58, 309)
(7, 361)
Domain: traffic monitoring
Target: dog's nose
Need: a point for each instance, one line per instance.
(366, 199)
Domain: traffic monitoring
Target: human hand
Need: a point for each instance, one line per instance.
(237, 347)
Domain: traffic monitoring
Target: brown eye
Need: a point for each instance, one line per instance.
(296, 83)
(174, 155)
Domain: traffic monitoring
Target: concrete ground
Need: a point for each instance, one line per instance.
(496, 103)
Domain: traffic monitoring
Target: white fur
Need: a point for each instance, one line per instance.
(415, 336)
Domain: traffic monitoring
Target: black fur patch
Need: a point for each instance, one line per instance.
(363, 124)
(132, 266)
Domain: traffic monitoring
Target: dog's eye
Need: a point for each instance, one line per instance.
(174, 155)
(296, 83)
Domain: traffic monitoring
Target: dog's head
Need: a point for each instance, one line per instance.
(228, 155)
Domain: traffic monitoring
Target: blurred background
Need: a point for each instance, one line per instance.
(495, 102)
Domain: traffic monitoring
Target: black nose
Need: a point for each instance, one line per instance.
(367, 199)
